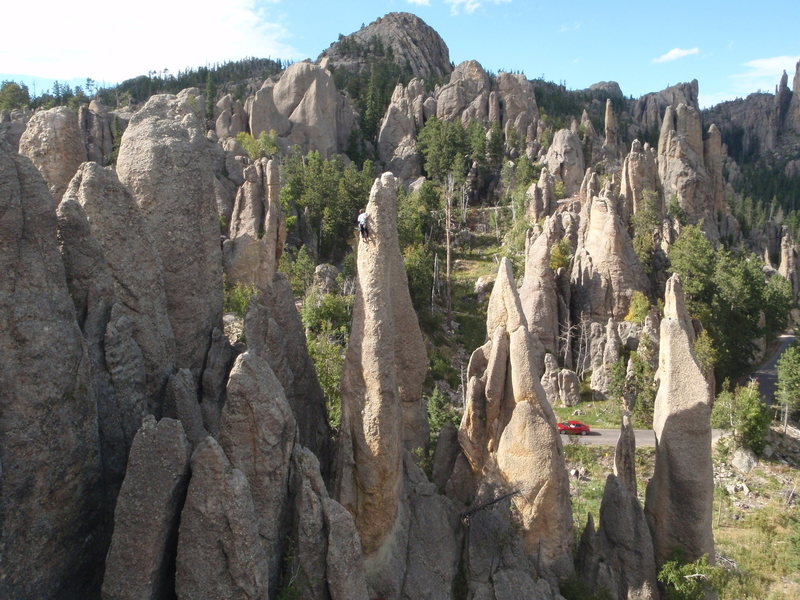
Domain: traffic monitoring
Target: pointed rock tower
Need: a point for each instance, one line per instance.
(680, 494)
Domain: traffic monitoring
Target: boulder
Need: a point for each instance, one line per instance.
(163, 162)
(681, 492)
(51, 498)
(140, 561)
(569, 387)
(53, 142)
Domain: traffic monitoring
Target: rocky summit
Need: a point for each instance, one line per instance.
(313, 330)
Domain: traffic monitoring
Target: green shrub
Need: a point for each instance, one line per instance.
(560, 254)
(440, 412)
(690, 581)
(237, 297)
(640, 306)
(745, 412)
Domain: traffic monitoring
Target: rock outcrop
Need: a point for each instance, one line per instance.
(257, 232)
(382, 409)
(305, 108)
(538, 293)
(681, 492)
(141, 558)
(117, 224)
(257, 432)
(164, 162)
(639, 179)
(619, 556)
(96, 127)
(466, 96)
(53, 142)
(219, 550)
(565, 161)
(509, 427)
(647, 111)
(606, 270)
(50, 485)
(411, 41)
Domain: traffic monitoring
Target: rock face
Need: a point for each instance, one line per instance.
(382, 411)
(163, 161)
(639, 176)
(508, 432)
(120, 408)
(605, 271)
(565, 161)
(257, 230)
(466, 96)
(538, 293)
(53, 142)
(648, 110)
(219, 550)
(141, 558)
(50, 494)
(95, 123)
(411, 40)
(397, 145)
(136, 268)
(257, 433)
(680, 493)
(619, 557)
(305, 108)
(274, 332)
(789, 265)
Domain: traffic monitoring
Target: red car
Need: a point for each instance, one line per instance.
(573, 428)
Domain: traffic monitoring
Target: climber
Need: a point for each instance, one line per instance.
(362, 224)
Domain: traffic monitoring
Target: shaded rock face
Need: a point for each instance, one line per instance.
(789, 265)
(140, 561)
(257, 230)
(274, 332)
(95, 122)
(412, 42)
(382, 410)
(163, 162)
(50, 494)
(12, 125)
(257, 433)
(220, 554)
(120, 408)
(680, 494)
(619, 556)
(565, 161)
(606, 270)
(136, 269)
(53, 142)
(508, 432)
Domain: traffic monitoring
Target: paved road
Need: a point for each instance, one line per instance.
(767, 375)
(608, 437)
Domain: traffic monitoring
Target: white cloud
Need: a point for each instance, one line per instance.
(763, 74)
(126, 40)
(420, 2)
(567, 27)
(470, 6)
(675, 54)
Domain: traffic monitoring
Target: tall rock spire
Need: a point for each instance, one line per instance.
(680, 494)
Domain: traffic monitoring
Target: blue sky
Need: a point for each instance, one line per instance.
(733, 48)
